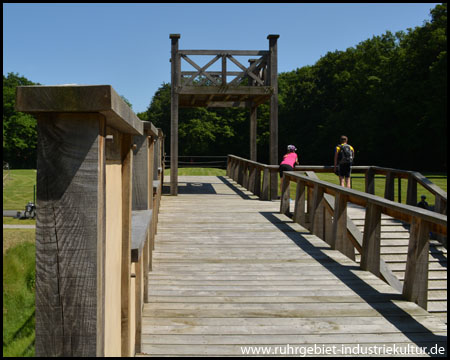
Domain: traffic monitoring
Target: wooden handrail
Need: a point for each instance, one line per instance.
(422, 221)
(413, 177)
(344, 236)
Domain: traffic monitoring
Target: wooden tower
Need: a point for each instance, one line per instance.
(202, 88)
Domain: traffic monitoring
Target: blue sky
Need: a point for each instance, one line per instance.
(128, 46)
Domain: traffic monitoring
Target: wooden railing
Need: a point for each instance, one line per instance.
(99, 182)
(244, 171)
(313, 199)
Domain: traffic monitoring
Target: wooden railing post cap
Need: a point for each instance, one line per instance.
(273, 36)
(174, 36)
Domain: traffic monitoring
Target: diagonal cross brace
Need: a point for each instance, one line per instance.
(247, 71)
(201, 71)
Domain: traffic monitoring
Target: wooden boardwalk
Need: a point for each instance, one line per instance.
(230, 272)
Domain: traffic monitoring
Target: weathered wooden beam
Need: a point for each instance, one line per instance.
(70, 225)
(265, 185)
(317, 214)
(175, 69)
(340, 240)
(370, 257)
(226, 52)
(141, 190)
(71, 309)
(212, 73)
(411, 195)
(126, 295)
(239, 104)
(415, 286)
(273, 71)
(224, 90)
(253, 133)
(257, 187)
(299, 209)
(141, 223)
(389, 186)
(101, 99)
(285, 196)
(370, 181)
(224, 70)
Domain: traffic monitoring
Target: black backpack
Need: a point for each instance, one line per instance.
(346, 154)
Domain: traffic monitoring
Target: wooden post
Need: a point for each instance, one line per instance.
(273, 74)
(141, 191)
(224, 69)
(174, 115)
(253, 121)
(265, 184)
(309, 207)
(257, 185)
(370, 257)
(71, 212)
(340, 240)
(235, 170)
(240, 179)
(127, 170)
(411, 196)
(317, 221)
(253, 133)
(415, 287)
(440, 206)
(328, 223)
(252, 178)
(245, 179)
(370, 181)
(143, 173)
(228, 166)
(285, 196)
(70, 181)
(389, 186)
(299, 210)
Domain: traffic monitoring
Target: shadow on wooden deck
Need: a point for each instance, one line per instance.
(381, 302)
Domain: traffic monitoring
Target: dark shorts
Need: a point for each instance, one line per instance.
(345, 170)
(284, 167)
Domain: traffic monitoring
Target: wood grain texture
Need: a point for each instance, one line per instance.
(234, 271)
(69, 179)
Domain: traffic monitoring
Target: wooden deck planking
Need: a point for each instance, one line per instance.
(229, 271)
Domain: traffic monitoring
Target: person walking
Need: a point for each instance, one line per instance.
(344, 154)
(290, 159)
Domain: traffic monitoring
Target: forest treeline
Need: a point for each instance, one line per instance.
(388, 94)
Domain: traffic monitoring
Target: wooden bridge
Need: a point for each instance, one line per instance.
(230, 272)
(219, 269)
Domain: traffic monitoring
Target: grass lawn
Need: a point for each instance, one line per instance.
(18, 189)
(18, 292)
(198, 172)
(14, 221)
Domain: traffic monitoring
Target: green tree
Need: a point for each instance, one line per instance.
(19, 129)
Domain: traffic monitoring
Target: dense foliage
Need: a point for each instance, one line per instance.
(388, 94)
(19, 129)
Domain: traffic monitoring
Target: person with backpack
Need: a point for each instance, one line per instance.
(344, 155)
(290, 159)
